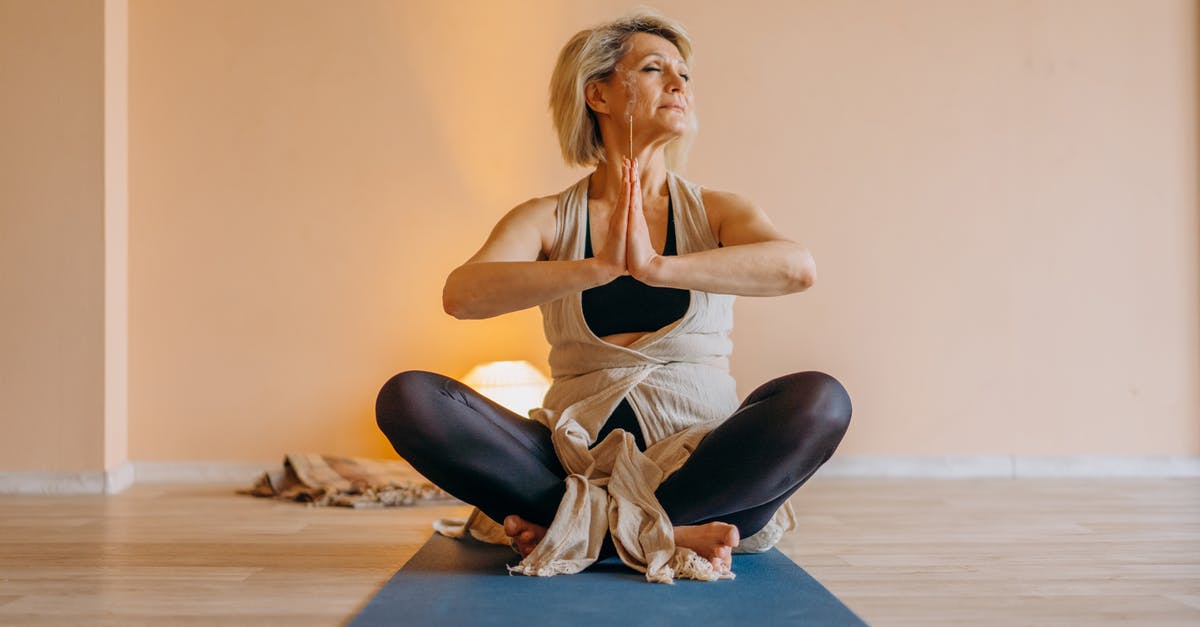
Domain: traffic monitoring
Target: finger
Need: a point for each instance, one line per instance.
(632, 195)
(618, 218)
(636, 186)
(629, 185)
(623, 199)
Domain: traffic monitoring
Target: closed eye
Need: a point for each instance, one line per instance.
(686, 77)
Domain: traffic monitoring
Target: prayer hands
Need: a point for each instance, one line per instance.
(639, 252)
(627, 248)
(612, 253)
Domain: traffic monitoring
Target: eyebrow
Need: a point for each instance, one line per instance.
(664, 58)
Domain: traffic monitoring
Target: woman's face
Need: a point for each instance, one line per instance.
(651, 83)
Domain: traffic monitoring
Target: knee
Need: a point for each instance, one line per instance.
(398, 407)
(818, 405)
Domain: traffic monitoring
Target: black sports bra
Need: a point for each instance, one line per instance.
(626, 305)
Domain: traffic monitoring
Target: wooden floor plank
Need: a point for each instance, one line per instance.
(897, 551)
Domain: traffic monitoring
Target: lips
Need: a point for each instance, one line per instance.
(678, 108)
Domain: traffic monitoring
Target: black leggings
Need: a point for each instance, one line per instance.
(502, 463)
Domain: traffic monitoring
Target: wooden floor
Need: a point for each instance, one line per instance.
(897, 551)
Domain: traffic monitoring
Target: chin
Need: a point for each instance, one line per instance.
(674, 130)
(675, 134)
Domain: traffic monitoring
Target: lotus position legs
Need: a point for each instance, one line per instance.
(504, 464)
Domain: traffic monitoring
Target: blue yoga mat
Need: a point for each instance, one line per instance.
(457, 582)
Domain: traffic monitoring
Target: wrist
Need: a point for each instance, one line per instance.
(655, 271)
(600, 273)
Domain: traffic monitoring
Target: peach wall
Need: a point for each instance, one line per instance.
(52, 244)
(1001, 197)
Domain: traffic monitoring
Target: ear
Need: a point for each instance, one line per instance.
(595, 95)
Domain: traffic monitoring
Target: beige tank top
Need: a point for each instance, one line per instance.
(675, 377)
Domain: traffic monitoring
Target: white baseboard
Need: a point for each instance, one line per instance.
(864, 466)
(203, 472)
(1010, 466)
(91, 482)
(1104, 466)
(948, 467)
(119, 478)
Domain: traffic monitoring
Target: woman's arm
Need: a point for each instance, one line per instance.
(754, 260)
(507, 273)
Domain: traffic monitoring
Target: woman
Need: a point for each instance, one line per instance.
(642, 448)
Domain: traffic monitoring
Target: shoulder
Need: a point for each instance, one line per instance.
(725, 209)
(535, 208)
(717, 201)
(736, 219)
(534, 216)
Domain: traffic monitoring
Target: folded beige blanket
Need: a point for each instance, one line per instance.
(347, 482)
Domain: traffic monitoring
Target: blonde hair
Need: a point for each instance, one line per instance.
(592, 55)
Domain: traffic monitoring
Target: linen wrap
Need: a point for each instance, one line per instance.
(676, 380)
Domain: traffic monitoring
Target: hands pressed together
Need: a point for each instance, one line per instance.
(627, 248)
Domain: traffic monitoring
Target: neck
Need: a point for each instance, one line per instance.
(606, 179)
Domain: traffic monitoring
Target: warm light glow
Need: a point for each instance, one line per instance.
(516, 385)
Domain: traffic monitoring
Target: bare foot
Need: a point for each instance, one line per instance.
(713, 541)
(525, 534)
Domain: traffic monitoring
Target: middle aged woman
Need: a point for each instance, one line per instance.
(641, 447)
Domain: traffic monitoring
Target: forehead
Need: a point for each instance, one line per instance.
(642, 45)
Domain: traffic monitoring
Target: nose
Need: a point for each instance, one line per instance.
(675, 82)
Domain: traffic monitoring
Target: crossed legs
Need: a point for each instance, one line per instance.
(504, 464)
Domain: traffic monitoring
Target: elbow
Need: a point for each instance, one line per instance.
(802, 274)
(452, 305)
(453, 302)
(459, 307)
(461, 299)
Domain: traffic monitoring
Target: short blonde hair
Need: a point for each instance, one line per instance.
(592, 55)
